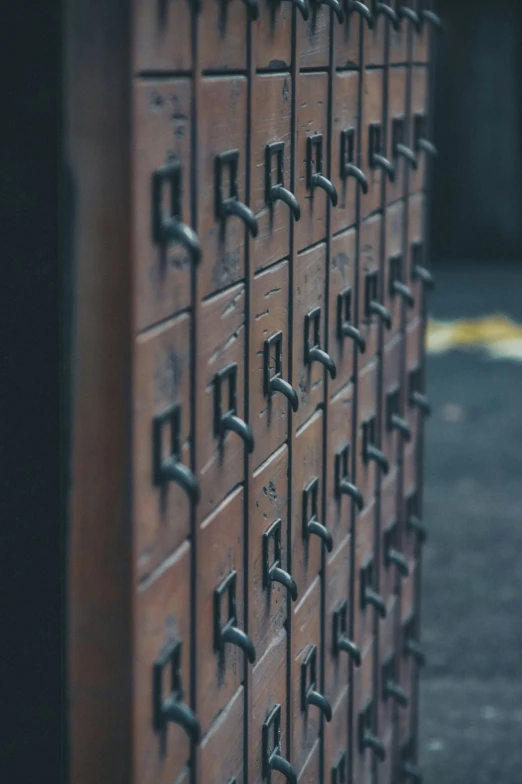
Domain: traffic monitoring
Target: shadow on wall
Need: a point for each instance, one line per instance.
(477, 179)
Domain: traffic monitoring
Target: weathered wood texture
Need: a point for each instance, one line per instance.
(251, 276)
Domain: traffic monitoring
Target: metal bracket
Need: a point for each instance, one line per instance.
(226, 376)
(169, 420)
(271, 739)
(339, 770)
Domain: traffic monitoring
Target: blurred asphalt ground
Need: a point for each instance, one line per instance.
(471, 688)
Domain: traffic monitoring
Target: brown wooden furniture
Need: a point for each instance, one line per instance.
(250, 275)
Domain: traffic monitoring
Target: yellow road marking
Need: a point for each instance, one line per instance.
(497, 335)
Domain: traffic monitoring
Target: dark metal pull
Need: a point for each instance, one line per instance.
(349, 647)
(397, 693)
(276, 762)
(347, 488)
(279, 193)
(363, 10)
(407, 152)
(424, 275)
(381, 9)
(379, 310)
(235, 636)
(372, 453)
(349, 331)
(336, 5)
(432, 18)
(302, 7)
(252, 8)
(411, 771)
(413, 648)
(174, 471)
(400, 424)
(235, 207)
(320, 181)
(371, 597)
(416, 525)
(173, 230)
(403, 291)
(320, 701)
(317, 354)
(278, 575)
(427, 147)
(313, 527)
(370, 741)
(232, 422)
(278, 384)
(411, 15)
(422, 402)
(383, 163)
(351, 170)
(398, 560)
(181, 714)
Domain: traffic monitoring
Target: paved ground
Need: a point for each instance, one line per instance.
(471, 696)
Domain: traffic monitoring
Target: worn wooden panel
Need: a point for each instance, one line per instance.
(221, 670)
(222, 240)
(269, 506)
(311, 123)
(162, 380)
(162, 615)
(271, 126)
(269, 417)
(342, 306)
(162, 272)
(222, 35)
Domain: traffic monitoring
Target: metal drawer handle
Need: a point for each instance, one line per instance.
(320, 701)
(424, 275)
(236, 425)
(279, 193)
(278, 384)
(418, 527)
(411, 16)
(432, 18)
(378, 457)
(276, 762)
(422, 402)
(403, 291)
(316, 354)
(278, 575)
(351, 170)
(173, 230)
(314, 527)
(396, 692)
(302, 7)
(375, 744)
(236, 636)
(363, 10)
(383, 163)
(336, 6)
(174, 471)
(399, 560)
(252, 8)
(240, 210)
(373, 598)
(168, 228)
(347, 488)
(408, 154)
(320, 181)
(181, 714)
(381, 9)
(413, 648)
(349, 647)
(400, 424)
(378, 309)
(427, 147)
(349, 331)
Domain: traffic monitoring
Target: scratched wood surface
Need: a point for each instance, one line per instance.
(252, 273)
